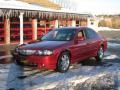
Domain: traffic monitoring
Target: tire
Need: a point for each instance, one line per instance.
(63, 62)
(100, 54)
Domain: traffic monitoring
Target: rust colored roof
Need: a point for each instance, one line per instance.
(44, 3)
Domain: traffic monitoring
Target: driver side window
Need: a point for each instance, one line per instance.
(80, 35)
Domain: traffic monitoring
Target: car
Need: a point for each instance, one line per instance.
(61, 47)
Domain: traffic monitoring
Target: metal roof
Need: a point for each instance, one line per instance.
(19, 5)
(13, 4)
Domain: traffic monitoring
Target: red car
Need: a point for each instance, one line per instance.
(61, 47)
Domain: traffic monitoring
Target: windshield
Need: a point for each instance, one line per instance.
(59, 35)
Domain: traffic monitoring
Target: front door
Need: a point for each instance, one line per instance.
(80, 47)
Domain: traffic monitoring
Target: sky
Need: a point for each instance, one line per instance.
(97, 6)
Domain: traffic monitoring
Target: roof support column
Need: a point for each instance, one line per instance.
(73, 23)
(56, 24)
(7, 30)
(34, 29)
(21, 27)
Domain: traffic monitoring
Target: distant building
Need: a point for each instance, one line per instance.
(22, 22)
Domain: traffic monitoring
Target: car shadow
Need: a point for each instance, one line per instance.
(91, 62)
(14, 83)
(17, 76)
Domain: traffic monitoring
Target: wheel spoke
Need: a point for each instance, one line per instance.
(64, 62)
(101, 53)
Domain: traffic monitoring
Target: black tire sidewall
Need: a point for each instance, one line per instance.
(98, 59)
(59, 69)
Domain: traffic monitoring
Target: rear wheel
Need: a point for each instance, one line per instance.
(100, 54)
(63, 62)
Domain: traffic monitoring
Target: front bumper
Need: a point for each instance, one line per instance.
(44, 62)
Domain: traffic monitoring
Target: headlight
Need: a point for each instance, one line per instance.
(33, 52)
(30, 52)
(26, 52)
(39, 52)
(44, 52)
(47, 52)
(16, 49)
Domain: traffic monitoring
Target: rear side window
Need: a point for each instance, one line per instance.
(90, 34)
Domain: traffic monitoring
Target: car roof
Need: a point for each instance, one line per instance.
(76, 28)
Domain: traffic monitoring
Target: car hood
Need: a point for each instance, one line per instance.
(44, 45)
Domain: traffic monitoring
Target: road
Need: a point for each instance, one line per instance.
(87, 75)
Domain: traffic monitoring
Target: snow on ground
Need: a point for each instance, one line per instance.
(6, 56)
(107, 29)
(4, 69)
(113, 45)
(114, 39)
(83, 76)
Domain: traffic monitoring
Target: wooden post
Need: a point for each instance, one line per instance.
(21, 27)
(73, 23)
(45, 27)
(56, 24)
(7, 35)
(34, 29)
(7, 30)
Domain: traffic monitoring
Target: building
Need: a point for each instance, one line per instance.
(22, 22)
(44, 3)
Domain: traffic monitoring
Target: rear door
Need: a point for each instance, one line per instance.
(92, 41)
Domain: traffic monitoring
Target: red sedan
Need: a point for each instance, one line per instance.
(61, 47)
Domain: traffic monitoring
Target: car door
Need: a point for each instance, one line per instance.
(80, 46)
(92, 41)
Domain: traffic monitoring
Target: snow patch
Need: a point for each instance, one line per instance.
(107, 29)
(83, 79)
(113, 45)
(115, 39)
(6, 56)
(111, 57)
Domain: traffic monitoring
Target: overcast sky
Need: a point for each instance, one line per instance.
(97, 6)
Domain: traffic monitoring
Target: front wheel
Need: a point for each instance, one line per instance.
(63, 62)
(100, 55)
